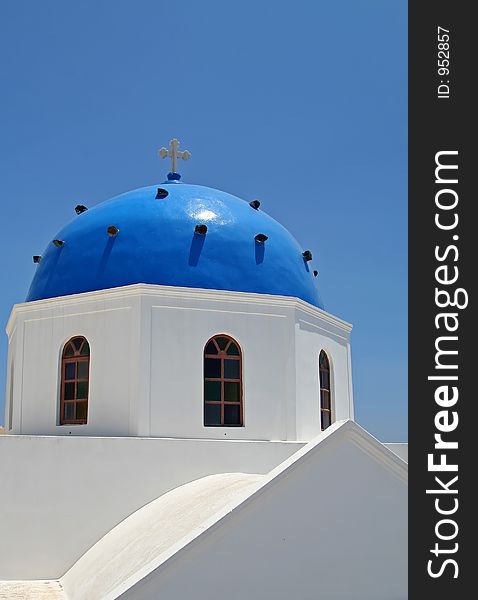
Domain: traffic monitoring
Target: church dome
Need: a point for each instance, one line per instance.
(176, 234)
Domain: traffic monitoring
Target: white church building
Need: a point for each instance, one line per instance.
(179, 417)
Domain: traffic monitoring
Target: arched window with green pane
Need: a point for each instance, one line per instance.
(75, 380)
(223, 388)
(325, 391)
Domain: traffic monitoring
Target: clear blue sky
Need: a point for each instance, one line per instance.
(264, 94)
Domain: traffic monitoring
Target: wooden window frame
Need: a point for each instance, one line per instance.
(222, 355)
(325, 391)
(77, 358)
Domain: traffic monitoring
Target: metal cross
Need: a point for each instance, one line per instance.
(174, 153)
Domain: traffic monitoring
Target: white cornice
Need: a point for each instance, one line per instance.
(163, 291)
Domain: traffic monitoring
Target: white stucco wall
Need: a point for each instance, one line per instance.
(329, 522)
(108, 327)
(179, 335)
(311, 337)
(146, 375)
(59, 495)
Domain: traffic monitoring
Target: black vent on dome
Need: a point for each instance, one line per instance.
(161, 193)
(307, 255)
(112, 231)
(80, 208)
(201, 229)
(261, 238)
(255, 204)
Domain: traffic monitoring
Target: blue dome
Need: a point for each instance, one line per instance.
(157, 244)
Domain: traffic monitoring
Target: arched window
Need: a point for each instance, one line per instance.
(325, 400)
(75, 375)
(223, 383)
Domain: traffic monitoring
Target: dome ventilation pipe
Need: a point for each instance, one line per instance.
(80, 208)
(261, 238)
(307, 255)
(36, 258)
(161, 193)
(58, 243)
(112, 231)
(255, 204)
(200, 229)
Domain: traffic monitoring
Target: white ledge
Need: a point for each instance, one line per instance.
(166, 291)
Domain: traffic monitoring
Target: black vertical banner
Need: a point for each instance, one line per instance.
(442, 273)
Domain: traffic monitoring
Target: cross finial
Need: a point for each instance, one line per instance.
(173, 153)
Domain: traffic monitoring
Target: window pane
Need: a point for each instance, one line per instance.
(210, 348)
(231, 369)
(70, 370)
(69, 411)
(324, 361)
(69, 351)
(212, 390)
(82, 390)
(221, 342)
(231, 391)
(69, 391)
(81, 408)
(212, 414)
(325, 419)
(212, 367)
(325, 399)
(232, 414)
(77, 343)
(324, 380)
(85, 351)
(83, 369)
(233, 350)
